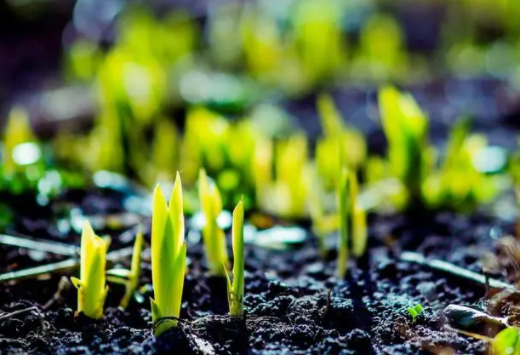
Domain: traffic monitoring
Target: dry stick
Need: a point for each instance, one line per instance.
(33, 308)
(60, 266)
(455, 270)
(41, 245)
(9, 315)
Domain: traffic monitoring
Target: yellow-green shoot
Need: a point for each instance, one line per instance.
(236, 288)
(341, 145)
(168, 258)
(458, 184)
(214, 237)
(343, 208)
(352, 222)
(507, 342)
(129, 278)
(405, 127)
(91, 286)
(283, 193)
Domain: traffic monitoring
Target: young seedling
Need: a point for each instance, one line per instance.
(406, 128)
(91, 286)
(129, 278)
(352, 221)
(18, 135)
(168, 258)
(341, 145)
(359, 228)
(236, 288)
(322, 224)
(507, 342)
(341, 265)
(214, 237)
(415, 311)
(280, 173)
(458, 184)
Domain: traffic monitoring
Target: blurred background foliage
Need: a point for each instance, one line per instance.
(145, 89)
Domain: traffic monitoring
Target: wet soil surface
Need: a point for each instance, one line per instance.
(293, 304)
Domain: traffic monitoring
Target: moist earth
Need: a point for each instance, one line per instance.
(293, 304)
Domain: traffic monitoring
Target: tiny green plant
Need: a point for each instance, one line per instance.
(17, 131)
(341, 266)
(415, 311)
(405, 127)
(507, 342)
(129, 278)
(91, 286)
(352, 221)
(322, 224)
(214, 237)
(236, 287)
(357, 219)
(168, 258)
(359, 229)
(458, 184)
(339, 140)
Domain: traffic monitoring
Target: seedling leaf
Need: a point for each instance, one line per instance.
(341, 265)
(507, 342)
(135, 271)
(236, 288)
(214, 237)
(91, 286)
(168, 258)
(405, 127)
(415, 311)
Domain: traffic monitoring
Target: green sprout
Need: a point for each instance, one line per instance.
(280, 169)
(323, 224)
(415, 311)
(343, 224)
(359, 229)
(352, 221)
(458, 183)
(17, 131)
(22, 156)
(405, 127)
(381, 55)
(236, 288)
(506, 342)
(129, 278)
(339, 140)
(214, 237)
(91, 286)
(168, 258)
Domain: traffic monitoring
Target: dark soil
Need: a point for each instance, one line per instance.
(293, 305)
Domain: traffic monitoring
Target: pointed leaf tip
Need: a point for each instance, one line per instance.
(158, 195)
(178, 178)
(240, 206)
(87, 230)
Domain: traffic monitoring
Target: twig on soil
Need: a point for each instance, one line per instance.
(60, 266)
(25, 310)
(327, 306)
(14, 313)
(40, 245)
(455, 270)
(63, 286)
